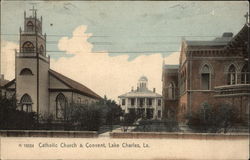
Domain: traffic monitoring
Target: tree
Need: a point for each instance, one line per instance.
(225, 117)
(86, 117)
(214, 119)
(110, 112)
(129, 119)
(11, 118)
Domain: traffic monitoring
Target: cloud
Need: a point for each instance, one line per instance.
(107, 75)
(8, 59)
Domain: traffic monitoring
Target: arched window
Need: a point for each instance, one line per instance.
(205, 111)
(26, 103)
(26, 71)
(171, 88)
(231, 76)
(30, 26)
(41, 50)
(244, 75)
(205, 77)
(61, 103)
(28, 47)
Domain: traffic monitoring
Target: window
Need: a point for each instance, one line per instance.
(132, 101)
(171, 91)
(149, 101)
(159, 114)
(231, 76)
(86, 102)
(205, 111)
(149, 113)
(244, 75)
(26, 71)
(26, 103)
(159, 102)
(30, 26)
(79, 100)
(141, 102)
(41, 50)
(123, 102)
(28, 47)
(60, 106)
(205, 77)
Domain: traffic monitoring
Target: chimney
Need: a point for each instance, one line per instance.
(154, 90)
(132, 89)
(227, 34)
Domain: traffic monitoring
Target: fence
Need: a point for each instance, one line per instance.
(44, 133)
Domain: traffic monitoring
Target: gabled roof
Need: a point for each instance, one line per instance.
(219, 41)
(74, 85)
(8, 84)
(3, 82)
(240, 39)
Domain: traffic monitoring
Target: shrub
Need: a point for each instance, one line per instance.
(214, 119)
(11, 118)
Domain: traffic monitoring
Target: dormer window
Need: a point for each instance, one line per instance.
(30, 26)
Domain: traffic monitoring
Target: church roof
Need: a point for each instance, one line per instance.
(3, 82)
(140, 93)
(240, 39)
(219, 41)
(74, 85)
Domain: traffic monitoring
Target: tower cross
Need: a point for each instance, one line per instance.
(247, 16)
(33, 11)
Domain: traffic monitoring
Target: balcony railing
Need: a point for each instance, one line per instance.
(140, 106)
(232, 90)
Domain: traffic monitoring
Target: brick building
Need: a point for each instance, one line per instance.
(209, 72)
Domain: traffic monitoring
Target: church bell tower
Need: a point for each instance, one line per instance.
(32, 66)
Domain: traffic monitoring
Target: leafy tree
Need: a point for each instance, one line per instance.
(11, 118)
(110, 112)
(214, 119)
(129, 119)
(86, 117)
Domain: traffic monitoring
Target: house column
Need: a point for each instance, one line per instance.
(154, 107)
(145, 105)
(136, 106)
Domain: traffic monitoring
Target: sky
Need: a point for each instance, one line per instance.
(108, 45)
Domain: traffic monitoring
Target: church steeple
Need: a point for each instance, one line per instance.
(31, 38)
(32, 23)
(32, 65)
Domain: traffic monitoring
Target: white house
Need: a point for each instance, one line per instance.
(142, 101)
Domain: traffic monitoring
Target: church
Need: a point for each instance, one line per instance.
(36, 87)
(209, 72)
